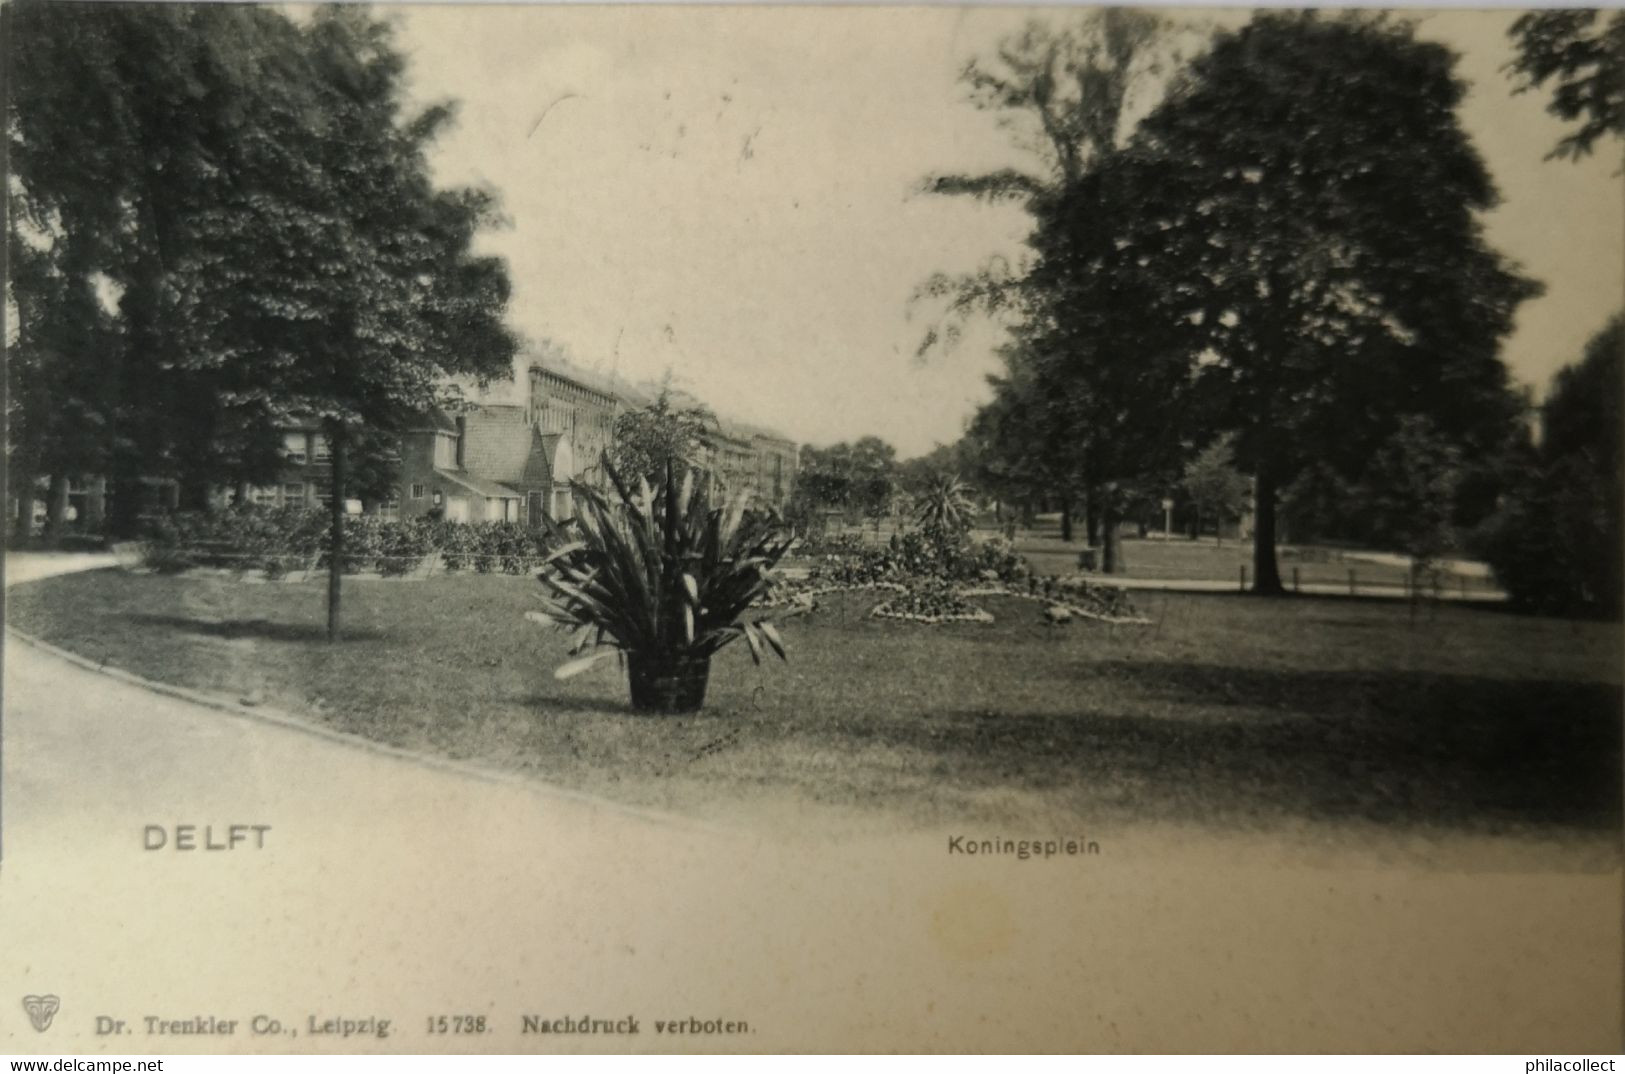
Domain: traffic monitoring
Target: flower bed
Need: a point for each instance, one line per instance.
(931, 604)
(1076, 595)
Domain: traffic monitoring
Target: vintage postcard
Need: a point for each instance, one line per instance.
(812, 528)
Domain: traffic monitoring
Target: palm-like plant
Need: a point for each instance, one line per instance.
(945, 505)
(664, 578)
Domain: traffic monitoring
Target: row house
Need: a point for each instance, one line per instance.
(514, 450)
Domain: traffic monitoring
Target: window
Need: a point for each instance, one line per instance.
(293, 446)
(319, 448)
(293, 493)
(445, 451)
(417, 492)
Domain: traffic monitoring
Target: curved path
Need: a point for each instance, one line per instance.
(390, 889)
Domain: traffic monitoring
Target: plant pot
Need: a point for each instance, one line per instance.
(666, 683)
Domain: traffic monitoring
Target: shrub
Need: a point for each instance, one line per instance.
(841, 544)
(403, 547)
(456, 542)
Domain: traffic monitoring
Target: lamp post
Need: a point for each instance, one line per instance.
(1167, 518)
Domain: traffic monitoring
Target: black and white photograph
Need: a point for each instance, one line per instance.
(781, 529)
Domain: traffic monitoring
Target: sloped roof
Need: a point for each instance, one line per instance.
(434, 420)
(551, 359)
(497, 443)
(489, 489)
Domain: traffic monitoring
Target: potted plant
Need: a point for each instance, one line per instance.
(662, 578)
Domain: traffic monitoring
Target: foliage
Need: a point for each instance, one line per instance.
(1090, 401)
(1105, 601)
(918, 556)
(253, 191)
(1554, 543)
(840, 544)
(1062, 92)
(664, 431)
(404, 546)
(277, 539)
(931, 602)
(664, 573)
(506, 547)
(272, 539)
(133, 132)
(1217, 489)
(945, 504)
(1584, 61)
(858, 479)
(1279, 165)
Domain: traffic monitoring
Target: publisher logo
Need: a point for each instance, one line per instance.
(41, 1009)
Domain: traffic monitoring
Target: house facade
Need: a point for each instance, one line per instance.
(490, 463)
(776, 460)
(580, 410)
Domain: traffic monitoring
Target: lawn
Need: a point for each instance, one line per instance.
(1210, 560)
(1227, 711)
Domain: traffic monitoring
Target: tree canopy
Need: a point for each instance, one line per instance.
(1338, 277)
(1581, 53)
(253, 191)
(666, 430)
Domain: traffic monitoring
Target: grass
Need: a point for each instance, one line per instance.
(1209, 560)
(1228, 711)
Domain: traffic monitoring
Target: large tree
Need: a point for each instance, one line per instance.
(257, 198)
(1108, 342)
(858, 478)
(380, 299)
(131, 128)
(1064, 93)
(1069, 95)
(1555, 540)
(1329, 205)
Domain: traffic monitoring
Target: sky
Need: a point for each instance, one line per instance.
(730, 194)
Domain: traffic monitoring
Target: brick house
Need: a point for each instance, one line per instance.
(488, 464)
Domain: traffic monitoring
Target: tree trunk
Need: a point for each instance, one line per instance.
(1066, 517)
(1266, 572)
(56, 506)
(1111, 554)
(23, 489)
(123, 515)
(96, 505)
(194, 493)
(335, 543)
(1091, 517)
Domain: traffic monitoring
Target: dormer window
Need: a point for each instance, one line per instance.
(293, 447)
